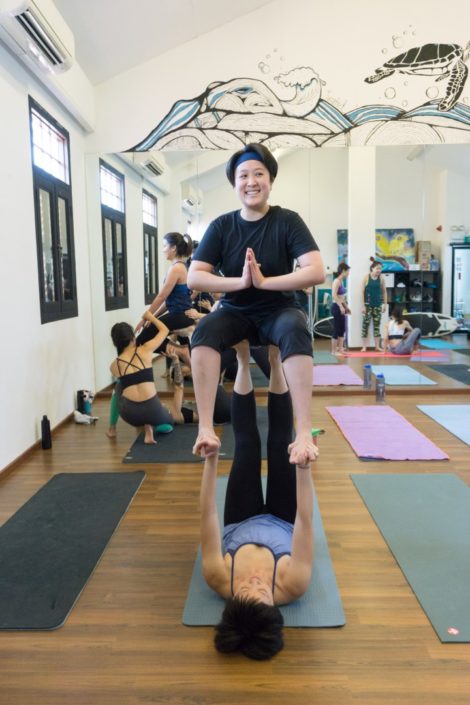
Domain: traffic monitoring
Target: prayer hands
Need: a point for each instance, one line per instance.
(257, 276)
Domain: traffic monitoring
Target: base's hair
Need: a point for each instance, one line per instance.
(251, 627)
(122, 334)
(264, 155)
(397, 314)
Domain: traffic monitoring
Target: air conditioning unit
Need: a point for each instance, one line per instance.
(149, 164)
(37, 33)
(191, 197)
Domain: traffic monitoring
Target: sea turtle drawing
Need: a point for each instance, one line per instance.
(440, 60)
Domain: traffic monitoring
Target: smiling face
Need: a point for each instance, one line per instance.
(253, 186)
(376, 271)
(255, 589)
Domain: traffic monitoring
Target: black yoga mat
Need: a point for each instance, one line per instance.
(50, 547)
(458, 372)
(174, 447)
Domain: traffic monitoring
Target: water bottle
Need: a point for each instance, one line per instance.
(367, 377)
(46, 438)
(380, 388)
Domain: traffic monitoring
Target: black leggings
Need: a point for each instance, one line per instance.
(244, 497)
(173, 321)
(339, 320)
(139, 413)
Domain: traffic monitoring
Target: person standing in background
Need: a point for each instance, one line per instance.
(374, 302)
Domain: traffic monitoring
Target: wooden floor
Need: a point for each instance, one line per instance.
(124, 644)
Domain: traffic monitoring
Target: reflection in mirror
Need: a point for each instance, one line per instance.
(423, 189)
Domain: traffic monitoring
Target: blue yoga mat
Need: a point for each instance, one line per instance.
(436, 344)
(319, 607)
(425, 520)
(401, 374)
(454, 417)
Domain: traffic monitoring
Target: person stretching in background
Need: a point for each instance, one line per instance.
(400, 338)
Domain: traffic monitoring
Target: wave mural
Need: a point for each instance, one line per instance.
(230, 114)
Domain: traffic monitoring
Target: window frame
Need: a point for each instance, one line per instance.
(61, 308)
(151, 232)
(117, 218)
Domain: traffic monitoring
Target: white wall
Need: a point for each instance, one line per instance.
(42, 365)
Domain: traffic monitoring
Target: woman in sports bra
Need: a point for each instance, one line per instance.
(400, 337)
(265, 556)
(137, 399)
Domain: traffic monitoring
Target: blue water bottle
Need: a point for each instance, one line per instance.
(367, 377)
(380, 388)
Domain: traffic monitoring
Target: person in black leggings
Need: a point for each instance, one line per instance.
(265, 556)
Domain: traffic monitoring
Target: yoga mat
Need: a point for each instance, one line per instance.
(227, 449)
(323, 357)
(382, 433)
(461, 373)
(401, 375)
(463, 351)
(50, 547)
(419, 353)
(174, 447)
(319, 607)
(425, 520)
(427, 356)
(334, 375)
(454, 417)
(436, 344)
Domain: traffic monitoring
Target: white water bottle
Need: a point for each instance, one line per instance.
(380, 388)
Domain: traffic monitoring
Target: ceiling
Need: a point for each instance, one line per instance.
(112, 36)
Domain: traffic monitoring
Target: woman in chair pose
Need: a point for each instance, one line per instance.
(265, 556)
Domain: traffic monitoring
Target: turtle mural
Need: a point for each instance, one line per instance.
(440, 60)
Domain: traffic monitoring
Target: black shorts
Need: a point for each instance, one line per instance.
(287, 328)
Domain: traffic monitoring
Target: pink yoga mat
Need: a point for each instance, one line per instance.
(374, 353)
(381, 432)
(334, 375)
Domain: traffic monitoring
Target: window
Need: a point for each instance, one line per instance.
(53, 214)
(114, 237)
(149, 210)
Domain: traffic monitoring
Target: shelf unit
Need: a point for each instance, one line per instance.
(415, 291)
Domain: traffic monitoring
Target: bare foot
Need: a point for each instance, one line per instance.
(338, 353)
(111, 432)
(148, 438)
(379, 350)
(303, 450)
(207, 443)
(363, 349)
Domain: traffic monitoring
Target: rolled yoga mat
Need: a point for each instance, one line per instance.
(381, 433)
(455, 418)
(51, 546)
(425, 521)
(319, 607)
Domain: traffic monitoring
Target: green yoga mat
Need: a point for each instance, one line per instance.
(323, 357)
(425, 520)
(461, 373)
(319, 607)
(51, 546)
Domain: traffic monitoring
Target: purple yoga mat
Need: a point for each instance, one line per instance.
(381, 432)
(333, 375)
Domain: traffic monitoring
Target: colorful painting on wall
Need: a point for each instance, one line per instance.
(342, 236)
(395, 248)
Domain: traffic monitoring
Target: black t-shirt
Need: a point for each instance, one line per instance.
(277, 239)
